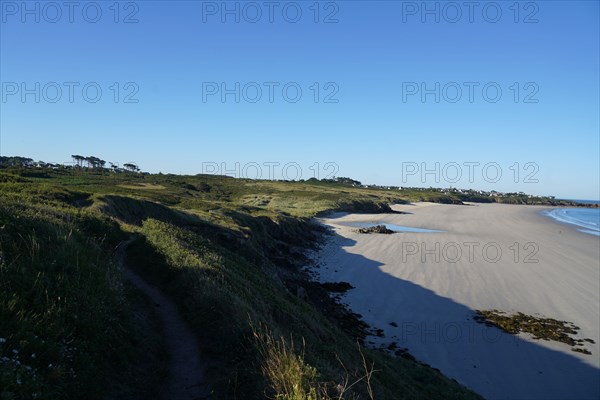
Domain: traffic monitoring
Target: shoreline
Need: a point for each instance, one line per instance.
(416, 304)
(580, 228)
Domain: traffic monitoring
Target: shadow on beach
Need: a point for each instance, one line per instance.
(440, 332)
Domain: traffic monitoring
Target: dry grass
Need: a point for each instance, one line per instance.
(292, 378)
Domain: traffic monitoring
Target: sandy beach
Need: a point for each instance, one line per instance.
(422, 289)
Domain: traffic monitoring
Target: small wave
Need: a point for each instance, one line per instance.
(589, 219)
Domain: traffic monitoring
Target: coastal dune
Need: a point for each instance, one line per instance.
(422, 289)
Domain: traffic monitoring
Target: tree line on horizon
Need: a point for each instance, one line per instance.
(97, 163)
(89, 162)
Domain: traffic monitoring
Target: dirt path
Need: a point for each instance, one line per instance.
(186, 379)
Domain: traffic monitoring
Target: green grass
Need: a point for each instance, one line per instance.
(60, 300)
(225, 250)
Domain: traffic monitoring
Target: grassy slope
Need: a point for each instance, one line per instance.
(65, 312)
(224, 249)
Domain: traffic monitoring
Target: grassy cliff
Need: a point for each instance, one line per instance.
(227, 251)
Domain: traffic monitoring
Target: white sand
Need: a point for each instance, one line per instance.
(432, 301)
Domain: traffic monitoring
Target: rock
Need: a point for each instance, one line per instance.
(376, 229)
(584, 351)
(338, 287)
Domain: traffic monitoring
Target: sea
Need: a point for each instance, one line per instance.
(587, 219)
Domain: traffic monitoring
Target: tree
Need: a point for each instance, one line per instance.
(99, 163)
(131, 167)
(16, 161)
(95, 162)
(78, 160)
(347, 181)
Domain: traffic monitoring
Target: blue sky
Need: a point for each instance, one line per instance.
(372, 57)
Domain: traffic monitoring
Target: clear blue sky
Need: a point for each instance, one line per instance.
(373, 55)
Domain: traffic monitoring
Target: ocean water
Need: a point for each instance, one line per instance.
(586, 218)
(393, 227)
